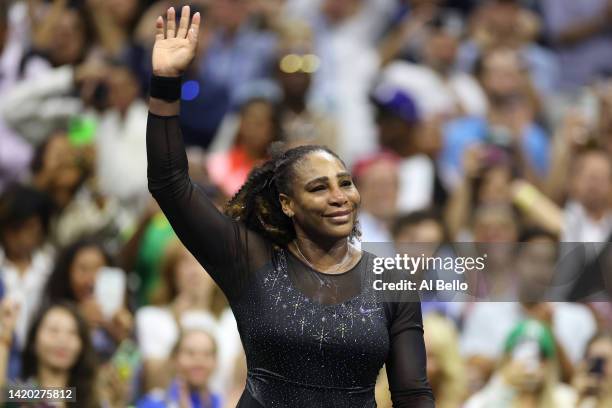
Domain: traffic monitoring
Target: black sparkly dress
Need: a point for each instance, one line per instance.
(311, 339)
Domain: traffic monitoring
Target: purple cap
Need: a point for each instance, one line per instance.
(396, 101)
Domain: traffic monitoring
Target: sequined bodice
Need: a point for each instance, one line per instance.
(296, 347)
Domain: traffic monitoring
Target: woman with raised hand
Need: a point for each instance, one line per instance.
(314, 331)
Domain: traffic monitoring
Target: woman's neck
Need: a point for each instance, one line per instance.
(48, 377)
(323, 257)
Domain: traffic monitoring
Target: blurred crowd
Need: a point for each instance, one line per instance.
(461, 120)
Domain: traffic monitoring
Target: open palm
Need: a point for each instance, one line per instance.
(174, 49)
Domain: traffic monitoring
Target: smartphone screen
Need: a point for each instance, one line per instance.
(110, 290)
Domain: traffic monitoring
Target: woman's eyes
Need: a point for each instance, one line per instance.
(344, 183)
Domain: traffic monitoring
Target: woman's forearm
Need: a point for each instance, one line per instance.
(457, 211)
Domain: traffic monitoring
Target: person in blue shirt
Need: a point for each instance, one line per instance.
(509, 124)
(195, 359)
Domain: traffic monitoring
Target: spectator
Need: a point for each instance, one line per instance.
(509, 124)
(420, 226)
(421, 233)
(487, 178)
(15, 154)
(345, 35)
(58, 353)
(527, 373)
(588, 215)
(378, 181)
(572, 324)
(581, 36)
(301, 122)
(438, 88)
(185, 296)
(64, 171)
(444, 363)
(508, 23)
(114, 22)
(120, 148)
(195, 359)
(60, 35)
(25, 259)
(56, 169)
(536, 256)
(593, 380)
(402, 131)
(75, 276)
(258, 129)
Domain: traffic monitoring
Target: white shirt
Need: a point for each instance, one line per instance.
(489, 323)
(372, 229)
(417, 174)
(498, 394)
(349, 65)
(122, 153)
(579, 227)
(26, 288)
(157, 333)
(434, 94)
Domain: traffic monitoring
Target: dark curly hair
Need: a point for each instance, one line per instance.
(257, 203)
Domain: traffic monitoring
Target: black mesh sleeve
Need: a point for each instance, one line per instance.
(406, 363)
(216, 241)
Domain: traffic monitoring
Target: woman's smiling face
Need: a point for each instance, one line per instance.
(323, 201)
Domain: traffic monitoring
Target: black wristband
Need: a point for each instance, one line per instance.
(166, 88)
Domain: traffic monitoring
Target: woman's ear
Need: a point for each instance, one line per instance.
(286, 205)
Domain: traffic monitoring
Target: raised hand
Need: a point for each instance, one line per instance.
(174, 49)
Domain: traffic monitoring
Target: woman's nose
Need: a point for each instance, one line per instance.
(338, 196)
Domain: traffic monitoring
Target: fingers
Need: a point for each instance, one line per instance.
(159, 28)
(184, 23)
(171, 23)
(195, 28)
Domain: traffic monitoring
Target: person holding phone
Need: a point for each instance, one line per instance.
(83, 275)
(314, 331)
(593, 379)
(528, 373)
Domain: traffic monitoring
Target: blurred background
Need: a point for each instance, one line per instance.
(462, 120)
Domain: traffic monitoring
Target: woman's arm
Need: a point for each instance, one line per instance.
(407, 361)
(458, 209)
(8, 317)
(214, 239)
